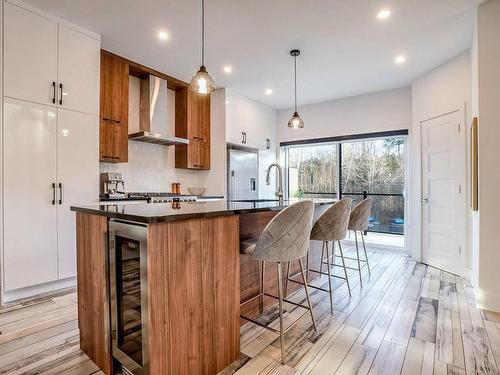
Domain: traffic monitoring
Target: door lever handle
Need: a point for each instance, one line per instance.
(60, 193)
(53, 193)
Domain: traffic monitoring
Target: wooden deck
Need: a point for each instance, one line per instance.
(406, 318)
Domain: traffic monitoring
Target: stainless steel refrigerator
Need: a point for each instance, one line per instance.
(243, 173)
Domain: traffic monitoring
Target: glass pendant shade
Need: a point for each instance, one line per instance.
(295, 121)
(202, 82)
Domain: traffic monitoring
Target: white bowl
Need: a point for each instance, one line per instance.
(198, 191)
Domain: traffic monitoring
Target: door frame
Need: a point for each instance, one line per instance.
(461, 269)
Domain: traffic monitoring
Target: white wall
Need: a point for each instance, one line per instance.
(381, 111)
(442, 90)
(151, 167)
(488, 53)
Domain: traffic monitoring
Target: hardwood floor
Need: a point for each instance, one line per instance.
(406, 318)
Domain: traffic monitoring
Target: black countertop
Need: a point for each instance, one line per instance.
(150, 213)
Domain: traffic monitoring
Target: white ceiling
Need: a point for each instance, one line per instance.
(346, 50)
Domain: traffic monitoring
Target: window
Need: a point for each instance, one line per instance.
(356, 168)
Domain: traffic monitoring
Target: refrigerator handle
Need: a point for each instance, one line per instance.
(252, 184)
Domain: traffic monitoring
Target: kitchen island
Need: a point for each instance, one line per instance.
(160, 285)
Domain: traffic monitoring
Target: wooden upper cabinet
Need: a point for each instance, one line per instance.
(192, 121)
(114, 109)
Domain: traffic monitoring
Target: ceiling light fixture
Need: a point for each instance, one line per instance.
(163, 35)
(383, 14)
(202, 82)
(295, 121)
(269, 91)
(400, 59)
(228, 69)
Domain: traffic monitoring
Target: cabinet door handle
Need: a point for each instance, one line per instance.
(111, 120)
(61, 96)
(111, 157)
(60, 193)
(198, 165)
(243, 137)
(53, 193)
(53, 92)
(198, 138)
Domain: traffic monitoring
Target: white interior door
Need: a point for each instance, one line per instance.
(443, 192)
(78, 174)
(79, 57)
(30, 239)
(30, 55)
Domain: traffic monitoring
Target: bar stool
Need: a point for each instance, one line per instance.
(358, 222)
(285, 239)
(331, 226)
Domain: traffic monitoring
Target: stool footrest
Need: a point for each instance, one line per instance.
(267, 326)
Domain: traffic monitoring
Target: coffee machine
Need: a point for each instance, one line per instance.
(112, 185)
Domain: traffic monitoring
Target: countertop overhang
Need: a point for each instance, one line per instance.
(151, 213)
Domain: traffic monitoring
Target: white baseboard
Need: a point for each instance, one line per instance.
(487, 300)
(13, 295)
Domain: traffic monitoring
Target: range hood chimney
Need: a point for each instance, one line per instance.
(153, 119)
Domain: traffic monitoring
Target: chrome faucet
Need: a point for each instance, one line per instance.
(279, 190)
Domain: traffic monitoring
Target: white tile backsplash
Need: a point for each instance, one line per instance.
(151, 168)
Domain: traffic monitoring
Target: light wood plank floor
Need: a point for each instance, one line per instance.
(406, 318)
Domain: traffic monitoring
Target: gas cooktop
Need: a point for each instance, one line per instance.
(161, 197)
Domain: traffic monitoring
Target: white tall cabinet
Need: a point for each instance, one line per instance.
(50, 145)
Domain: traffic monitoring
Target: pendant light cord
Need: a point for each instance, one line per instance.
(295, 82)
(202, 32)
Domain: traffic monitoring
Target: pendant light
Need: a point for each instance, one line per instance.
(295, 121)
(202, 82)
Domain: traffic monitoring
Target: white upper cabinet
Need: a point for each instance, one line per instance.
(30, 56)
(78, 62)
(30, 218)
(235, 118)
(50, 63)
(78, 179)
(249, 123)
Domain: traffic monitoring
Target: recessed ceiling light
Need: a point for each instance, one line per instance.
(163, 35)
(400, 59)
(383, 14)
(228, 69)
(269, 91)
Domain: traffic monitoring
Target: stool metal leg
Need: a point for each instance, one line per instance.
(357, 255)
(366, 255)
(280, 296)
(329, 275)
(288, 266)
(262, 274)
(322, 257)
(345, 270)
(307, 293)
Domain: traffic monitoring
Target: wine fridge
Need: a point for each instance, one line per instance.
(128, 295)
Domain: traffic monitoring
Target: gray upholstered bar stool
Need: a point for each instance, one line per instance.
(285, 239)
(331, 226)
(358, 222)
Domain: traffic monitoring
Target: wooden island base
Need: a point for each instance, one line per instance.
(195, 288)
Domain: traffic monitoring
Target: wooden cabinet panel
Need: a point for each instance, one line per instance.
(192, 121)
(198, 123)
(114, 89)
(93, 308)
(193, 278)
(113, 142)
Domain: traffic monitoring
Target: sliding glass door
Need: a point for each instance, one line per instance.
(356, 168)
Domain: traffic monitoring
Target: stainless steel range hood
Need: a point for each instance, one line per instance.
(158, 139)
(155, 113)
